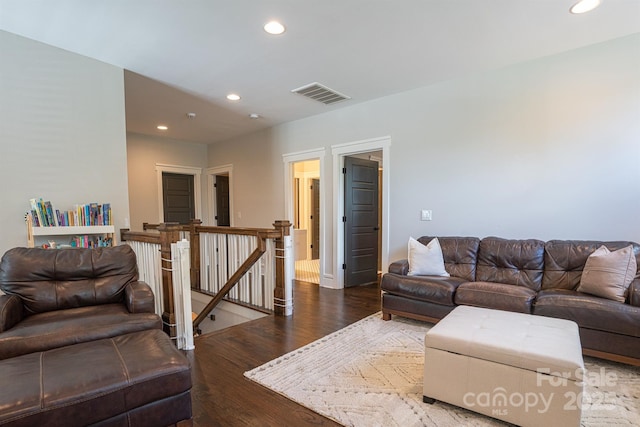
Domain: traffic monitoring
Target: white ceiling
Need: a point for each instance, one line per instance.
(187, 55)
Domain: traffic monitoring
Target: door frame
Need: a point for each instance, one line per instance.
(183, 170)
(211, 188)
(326, 279)
(339, 152)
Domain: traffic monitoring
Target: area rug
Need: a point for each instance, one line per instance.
(370, 374)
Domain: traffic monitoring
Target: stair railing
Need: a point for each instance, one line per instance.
(161, 236)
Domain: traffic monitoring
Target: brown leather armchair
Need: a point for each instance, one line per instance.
(55, 298)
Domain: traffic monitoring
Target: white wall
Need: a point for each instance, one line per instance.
(62, 133)
(545, 149)
(258, 178)
(143, 153)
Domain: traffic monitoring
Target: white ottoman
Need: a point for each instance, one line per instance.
(523, 369)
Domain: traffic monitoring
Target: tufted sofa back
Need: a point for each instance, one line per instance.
(459, 255)
(48, 280)
(513, 262)
(564, 260)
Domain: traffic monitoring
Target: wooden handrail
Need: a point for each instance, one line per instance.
(140, 236)
(165, 234)
(269, 233)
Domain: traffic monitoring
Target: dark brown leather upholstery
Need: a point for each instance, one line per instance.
(62, 297)
(399, 267)
(495, 295)
(634, 293)
(589, 311)
(435, 289)
(459, 253)
(10, 311)
(48, 280)
(59, 328)
(409, 307)
(137, 379)
(565, 259)
(513, 262)
(527, 276)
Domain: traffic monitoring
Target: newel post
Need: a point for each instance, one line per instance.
(194, 238)
(283, 292)
(169, 233)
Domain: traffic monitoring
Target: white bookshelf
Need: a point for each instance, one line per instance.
(73, 230)
(33, 232)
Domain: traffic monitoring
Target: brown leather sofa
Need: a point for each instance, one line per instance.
(528, 276)
(81, 345)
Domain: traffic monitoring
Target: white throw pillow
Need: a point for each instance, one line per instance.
(426, 260)
(608, 274)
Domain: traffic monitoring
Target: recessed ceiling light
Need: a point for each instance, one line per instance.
(274, 27)
(584, 6)
(162, 127)
(254, 116)
(233, 97)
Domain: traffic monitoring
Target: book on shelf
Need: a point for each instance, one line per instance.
(44, 214)
(87, 241)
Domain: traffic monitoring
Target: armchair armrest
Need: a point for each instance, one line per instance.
(138, 297)
(399, 267)
(11, 311)
(634, 293)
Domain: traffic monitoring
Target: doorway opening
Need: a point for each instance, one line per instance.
(220, 191)
(377, 149)
(306, 220)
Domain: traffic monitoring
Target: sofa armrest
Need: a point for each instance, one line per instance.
(634, 293)
(139, 298)
(399, 267)
(11, 311)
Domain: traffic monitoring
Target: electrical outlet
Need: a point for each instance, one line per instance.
(425, 215)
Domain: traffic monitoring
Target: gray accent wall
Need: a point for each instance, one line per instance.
(62, 133)
(546, 149)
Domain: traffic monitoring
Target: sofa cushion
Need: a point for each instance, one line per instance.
(436, 289)
(75, 325)
(589, 311)
(425, 260)
(498, 296)
(49, 280)
(608, 274)
(512, 262)
(564, 260)
(459, 254)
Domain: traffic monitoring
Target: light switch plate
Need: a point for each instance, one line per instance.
(425, 215)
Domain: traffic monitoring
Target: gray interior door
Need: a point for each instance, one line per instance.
(223, 217)
(315, 218)
(178, 198)
(361, 221)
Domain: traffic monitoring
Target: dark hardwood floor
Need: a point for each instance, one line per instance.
(222, 396)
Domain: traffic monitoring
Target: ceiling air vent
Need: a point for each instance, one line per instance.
(321, 93)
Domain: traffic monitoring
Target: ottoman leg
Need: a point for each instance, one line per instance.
(428, 400)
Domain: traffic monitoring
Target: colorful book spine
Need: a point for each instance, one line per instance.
(91, 214)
